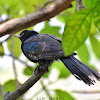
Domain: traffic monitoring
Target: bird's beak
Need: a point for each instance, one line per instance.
(17, 35)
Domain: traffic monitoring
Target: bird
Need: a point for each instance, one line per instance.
(47, 48)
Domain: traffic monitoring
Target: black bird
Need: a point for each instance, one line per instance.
(45, 48)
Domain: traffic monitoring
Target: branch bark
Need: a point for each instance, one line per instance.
(79, 5)
(37, 74)
(46, 13)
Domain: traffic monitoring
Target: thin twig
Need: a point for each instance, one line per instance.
(1, 53)
(6, 38)
(36, 93)
(79, 5)
(14, 67)
(1, 91)
(45, 89)
(86, 92)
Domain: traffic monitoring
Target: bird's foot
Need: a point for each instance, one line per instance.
(39, 68)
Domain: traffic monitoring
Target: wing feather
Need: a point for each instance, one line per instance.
(42, 46)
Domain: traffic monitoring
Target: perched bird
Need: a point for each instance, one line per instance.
(45, 48)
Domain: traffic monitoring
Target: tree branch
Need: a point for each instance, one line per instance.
(46, 13)
(37, 74)
(1, 90)
(79, 5)
(97, 91)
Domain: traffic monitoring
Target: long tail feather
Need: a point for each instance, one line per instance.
(80, 70)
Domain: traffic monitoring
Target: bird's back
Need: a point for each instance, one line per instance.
(42, 47)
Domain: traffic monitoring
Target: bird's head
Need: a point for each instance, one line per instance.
(26, 34)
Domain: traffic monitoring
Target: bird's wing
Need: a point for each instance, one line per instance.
(55, 37)
(42, 46)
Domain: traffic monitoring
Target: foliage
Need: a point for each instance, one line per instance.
(19, 7)
(83, 54)
(76, 31)
(62, 95)
(17, 50)
(95, 44)
(28, 70)
(52, 29)
(9, 85)
(1, 50)
(78, 27)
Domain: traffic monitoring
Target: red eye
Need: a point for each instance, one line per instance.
(22, 34)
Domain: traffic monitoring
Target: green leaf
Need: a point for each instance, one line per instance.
(95, 44)
(0, 96)
(93, 28)
(1, 50)
(28, 70)
(83, 54)
(96, 17)
(76, 31)
(90, 3)
(62, 95)
(9, 86)
(51, 29)
(17, 46)
(63, 17)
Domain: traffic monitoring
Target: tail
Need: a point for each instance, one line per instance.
(80, 70)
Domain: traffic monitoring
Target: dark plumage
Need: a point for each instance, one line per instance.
(45, 48)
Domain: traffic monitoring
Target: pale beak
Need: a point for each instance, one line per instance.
(17, 35)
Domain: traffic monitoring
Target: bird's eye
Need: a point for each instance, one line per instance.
(22, 34)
